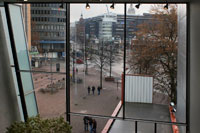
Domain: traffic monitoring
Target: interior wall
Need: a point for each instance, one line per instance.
(9, 111)
(194, 109)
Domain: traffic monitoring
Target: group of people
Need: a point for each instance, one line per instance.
(93, 90)
(88, 121)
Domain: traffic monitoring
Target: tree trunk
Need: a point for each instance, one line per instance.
(110, 69)
(86, 71)
(101, 77)
(73, 70)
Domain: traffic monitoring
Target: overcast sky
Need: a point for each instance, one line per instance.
(98, 9)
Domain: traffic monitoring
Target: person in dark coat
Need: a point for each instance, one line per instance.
(93, 89)
(86, 121)
(94, 128)
(99, 90)
(90, 124)
(89, 90)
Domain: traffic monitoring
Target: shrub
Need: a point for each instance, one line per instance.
(38, 125)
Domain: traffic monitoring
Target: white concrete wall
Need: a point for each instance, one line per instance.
(194, 111)
(9, 111)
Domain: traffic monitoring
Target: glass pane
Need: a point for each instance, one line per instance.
(155, 76)
(96, 58)
(31, 104)
(48, 26)
(120, 126)
(19, 37)
(23, 60)
(78, 125)
(27, 81)
(164, 128)
(50, 94)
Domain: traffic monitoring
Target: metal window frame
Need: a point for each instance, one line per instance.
(68, 2)
(124, 69)
(188, 68)
(97, 1)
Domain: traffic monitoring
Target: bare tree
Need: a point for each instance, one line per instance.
(100, 58)
(111, 57)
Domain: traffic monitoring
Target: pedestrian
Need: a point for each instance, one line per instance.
(86, 121)
(99, 90)
(93, 89)
(94, 126)
(89, 90)
(77, 70)
(90, 124)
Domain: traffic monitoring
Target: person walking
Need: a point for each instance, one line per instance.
(99, 90)
(90, 124)
(93, 89)
(94, 128)
(86, 121)
(89, 90)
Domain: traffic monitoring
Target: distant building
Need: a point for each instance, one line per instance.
(26, 12)
(110, 27)
(80, 30)
(72, 31)
(106, 27)
(48, 28)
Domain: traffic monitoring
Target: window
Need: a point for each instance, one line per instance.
(100, 40)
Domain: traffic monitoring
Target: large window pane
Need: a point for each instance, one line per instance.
(50, 93)
(47, 54)
(96, 58)
(156, 52)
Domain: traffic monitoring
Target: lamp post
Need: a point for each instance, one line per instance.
(86, 54)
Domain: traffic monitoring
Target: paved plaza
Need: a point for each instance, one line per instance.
(54, 105)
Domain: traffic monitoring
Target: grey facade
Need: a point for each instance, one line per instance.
(48, 21)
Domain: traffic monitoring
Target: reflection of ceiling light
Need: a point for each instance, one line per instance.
(174, 110)
(112, 6)
(172, 104)
(87, 6)
(166, 6)
(137, 6)
(25, 0)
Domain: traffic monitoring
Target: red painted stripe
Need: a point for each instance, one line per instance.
(110, 121)
(173, 119)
